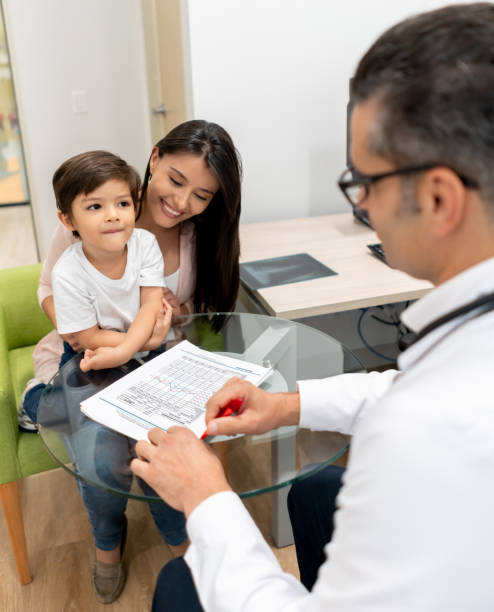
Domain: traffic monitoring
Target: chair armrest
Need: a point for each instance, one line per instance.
(9, 432)
(22, 323)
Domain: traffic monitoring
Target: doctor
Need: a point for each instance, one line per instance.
(414, 525)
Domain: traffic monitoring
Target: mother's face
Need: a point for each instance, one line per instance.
(181, 187)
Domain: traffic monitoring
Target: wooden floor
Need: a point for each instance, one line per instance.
(61, 551)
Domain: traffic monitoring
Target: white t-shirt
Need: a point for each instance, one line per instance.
(85, 297)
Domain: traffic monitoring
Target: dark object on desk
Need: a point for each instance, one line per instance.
(378, 251)
(282, 271)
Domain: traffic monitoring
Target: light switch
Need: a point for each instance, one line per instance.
(79, 101)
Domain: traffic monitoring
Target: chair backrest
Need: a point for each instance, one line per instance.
(22, 320)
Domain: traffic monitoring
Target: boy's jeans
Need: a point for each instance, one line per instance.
(103, 456)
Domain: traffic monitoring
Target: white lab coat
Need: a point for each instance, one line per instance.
(415, 525)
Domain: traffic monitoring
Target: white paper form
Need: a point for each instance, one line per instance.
(171, 389)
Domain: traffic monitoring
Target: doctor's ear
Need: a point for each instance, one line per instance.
(445, 200)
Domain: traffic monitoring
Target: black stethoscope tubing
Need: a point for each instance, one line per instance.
(485, 303)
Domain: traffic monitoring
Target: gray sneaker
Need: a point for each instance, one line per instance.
(109, 578)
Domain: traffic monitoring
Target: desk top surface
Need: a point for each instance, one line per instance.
(340, 242)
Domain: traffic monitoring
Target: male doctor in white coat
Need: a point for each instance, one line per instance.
(414, 528)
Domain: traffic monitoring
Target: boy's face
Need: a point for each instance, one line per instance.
(104, 218)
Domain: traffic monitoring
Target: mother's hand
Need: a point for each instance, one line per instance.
(181, 469)
(172, 300)
(161, 328)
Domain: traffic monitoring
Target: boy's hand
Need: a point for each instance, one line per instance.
(161, 327)
(103, 357)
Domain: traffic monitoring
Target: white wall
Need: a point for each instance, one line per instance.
(275, 74)
(58, 46)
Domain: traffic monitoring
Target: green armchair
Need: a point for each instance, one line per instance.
(22, 324)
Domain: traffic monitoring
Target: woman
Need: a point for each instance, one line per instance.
(191, 202)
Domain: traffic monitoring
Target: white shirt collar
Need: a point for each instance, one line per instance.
(457, 291)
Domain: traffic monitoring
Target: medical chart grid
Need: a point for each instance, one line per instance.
(178, 391)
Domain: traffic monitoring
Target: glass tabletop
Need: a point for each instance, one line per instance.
(254, 463)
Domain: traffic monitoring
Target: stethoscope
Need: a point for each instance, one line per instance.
(482, 305)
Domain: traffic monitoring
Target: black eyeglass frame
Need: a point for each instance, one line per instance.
(366, 180)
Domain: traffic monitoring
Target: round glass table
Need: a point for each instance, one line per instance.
(254, 464)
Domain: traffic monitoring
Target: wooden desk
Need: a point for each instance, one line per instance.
(339, 242)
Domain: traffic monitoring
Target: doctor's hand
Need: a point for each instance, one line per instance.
(182, 469)
(260, 411)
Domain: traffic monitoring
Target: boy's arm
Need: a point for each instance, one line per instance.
(94, 337)
(48, 306)
(142, 327)
(137, 337)
(72, 307)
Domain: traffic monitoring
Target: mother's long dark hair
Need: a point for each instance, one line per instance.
(216, 228)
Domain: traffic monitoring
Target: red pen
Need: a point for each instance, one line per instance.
(232, 406)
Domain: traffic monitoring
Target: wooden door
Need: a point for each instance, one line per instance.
(165, 22)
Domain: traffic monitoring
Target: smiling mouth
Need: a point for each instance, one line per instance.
(168, 209)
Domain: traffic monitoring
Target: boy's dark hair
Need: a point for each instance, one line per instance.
(433, 75)
(86, 172)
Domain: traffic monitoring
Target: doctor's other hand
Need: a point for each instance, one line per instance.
(260, 411)
(182, 469)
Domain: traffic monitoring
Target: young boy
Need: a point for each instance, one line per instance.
(107, 287)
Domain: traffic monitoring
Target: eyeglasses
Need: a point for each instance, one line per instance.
(356, 186)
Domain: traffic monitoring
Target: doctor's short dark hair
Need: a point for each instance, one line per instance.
(433, 75)
(85, 172)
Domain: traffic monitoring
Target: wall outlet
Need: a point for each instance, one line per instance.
(79, 101)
